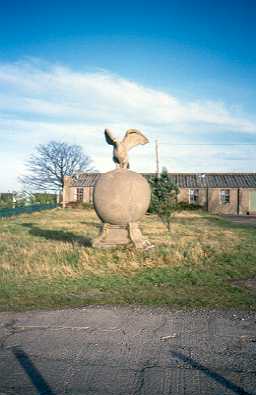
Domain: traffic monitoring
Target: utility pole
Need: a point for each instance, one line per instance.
(157, 159)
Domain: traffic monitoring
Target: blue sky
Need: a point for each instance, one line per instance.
(184, 72)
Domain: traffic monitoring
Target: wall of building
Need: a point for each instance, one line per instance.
(70, 193)
(183, 196)
(245, 201)
(214, 204)
(88, 193)
(66, 191)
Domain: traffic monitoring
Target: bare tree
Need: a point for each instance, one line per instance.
(51, 162)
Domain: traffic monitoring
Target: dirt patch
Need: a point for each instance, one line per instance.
(249, 220)
(250, 283)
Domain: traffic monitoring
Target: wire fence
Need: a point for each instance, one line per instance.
(10, 212)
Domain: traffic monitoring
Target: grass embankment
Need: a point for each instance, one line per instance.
(46, 262)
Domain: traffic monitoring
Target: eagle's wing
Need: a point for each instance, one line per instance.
(134, 137)
(109, 137)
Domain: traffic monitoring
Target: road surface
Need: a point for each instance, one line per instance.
(128, 351)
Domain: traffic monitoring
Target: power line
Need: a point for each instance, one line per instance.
(199, 144)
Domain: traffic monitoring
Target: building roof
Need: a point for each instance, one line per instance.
(213, 180)
(85, 180)
(186, 180)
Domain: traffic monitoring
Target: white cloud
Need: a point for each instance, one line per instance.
(62, 93)
(39, 102)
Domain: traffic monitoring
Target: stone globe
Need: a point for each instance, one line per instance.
(121, 196)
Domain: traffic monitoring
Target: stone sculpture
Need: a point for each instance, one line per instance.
(121, 197)
(132, 138)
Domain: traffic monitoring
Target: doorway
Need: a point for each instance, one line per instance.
(252, 202)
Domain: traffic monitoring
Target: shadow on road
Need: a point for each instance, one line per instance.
(44, 388)
(59, 235)
(33, 373)
(211, 374)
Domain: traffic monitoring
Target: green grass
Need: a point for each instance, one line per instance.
(46, 261)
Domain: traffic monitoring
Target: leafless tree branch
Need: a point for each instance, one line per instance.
(51, 162)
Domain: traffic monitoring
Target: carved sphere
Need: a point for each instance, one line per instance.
(121, 196)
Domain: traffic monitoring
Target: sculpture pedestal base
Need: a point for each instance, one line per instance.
(116, 235)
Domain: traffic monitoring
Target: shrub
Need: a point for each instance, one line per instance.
(187, 206)
(86, 205)
(163, 197)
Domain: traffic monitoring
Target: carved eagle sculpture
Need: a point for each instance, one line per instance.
(132, 138)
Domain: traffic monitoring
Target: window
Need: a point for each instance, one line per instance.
(79, 194)
(193, 196)
(225, 196)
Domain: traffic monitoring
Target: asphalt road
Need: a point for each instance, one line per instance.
(127, 351)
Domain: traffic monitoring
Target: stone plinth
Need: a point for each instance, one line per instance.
(118, 235)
